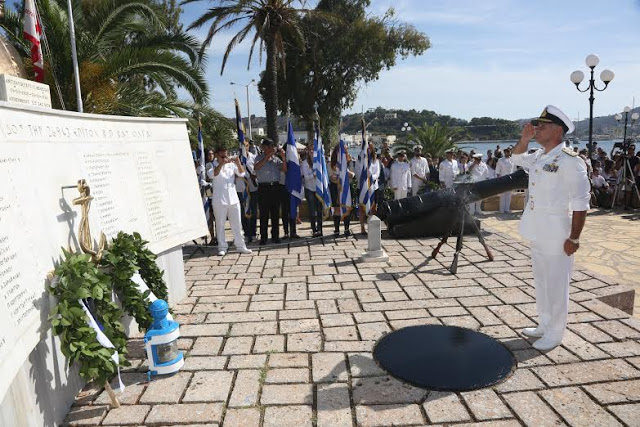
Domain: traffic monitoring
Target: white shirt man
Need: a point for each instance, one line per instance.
(478, 171)
(448, 170)
(598, 181)
(374, 171)
(552, 219)
(505, 167)
(400, 177)
(240, 182)
(225, 200)
(419, 171)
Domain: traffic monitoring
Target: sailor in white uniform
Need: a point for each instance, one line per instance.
(448, 170)
(419, 170)
(478, 171)
(552, 219)
(505, 167)
(400, 176)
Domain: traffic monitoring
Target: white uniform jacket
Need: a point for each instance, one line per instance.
(400, 176)
(224, 185)
(419, 166)
(558, 185)
(479, 172)
(374, 171)
(505, 166)
(448, 170)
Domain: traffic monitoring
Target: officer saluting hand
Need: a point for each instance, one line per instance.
(553, 218)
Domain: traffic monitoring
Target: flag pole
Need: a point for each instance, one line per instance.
(74, 56)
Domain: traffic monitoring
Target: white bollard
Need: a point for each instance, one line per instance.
(374, 252)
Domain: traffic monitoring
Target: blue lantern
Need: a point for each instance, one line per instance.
(161, 341)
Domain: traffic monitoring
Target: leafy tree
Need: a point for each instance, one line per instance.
(130, 62)
(217, 130)
(434, 139)
(271, 21)
(340, 53)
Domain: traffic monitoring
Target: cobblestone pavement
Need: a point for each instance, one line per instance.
(283, 337)
(609, 245)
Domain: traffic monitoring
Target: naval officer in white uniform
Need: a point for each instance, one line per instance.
(400, 176)
(505, 167)
(448, 170)
(553, 218)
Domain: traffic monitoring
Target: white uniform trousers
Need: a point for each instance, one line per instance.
(221, 213)
(475, 208)
(505, 202)
(400, 193)
(551, 275)
(416, 184)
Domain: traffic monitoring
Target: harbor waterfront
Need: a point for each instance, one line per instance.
(483, 146)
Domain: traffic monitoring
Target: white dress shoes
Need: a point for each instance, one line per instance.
(545, 344)
(222, 253)
(245, 251)
(533, 332)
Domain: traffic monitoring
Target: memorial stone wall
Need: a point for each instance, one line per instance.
(141, 176)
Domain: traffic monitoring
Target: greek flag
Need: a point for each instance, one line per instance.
(344, 186)
(364, 174)
(320, 170)
(201, 150)
(293, 178)
(206, 201)
(246, 196)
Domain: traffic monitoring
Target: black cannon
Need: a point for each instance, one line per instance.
(443, 212)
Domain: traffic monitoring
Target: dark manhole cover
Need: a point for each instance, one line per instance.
(444, 358)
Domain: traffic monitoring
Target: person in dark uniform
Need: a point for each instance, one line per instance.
(268, 167)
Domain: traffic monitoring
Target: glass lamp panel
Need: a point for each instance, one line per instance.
(592, 60)
(577, 77)
(606, 76)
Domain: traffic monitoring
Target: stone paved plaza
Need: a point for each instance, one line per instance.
(283, 337)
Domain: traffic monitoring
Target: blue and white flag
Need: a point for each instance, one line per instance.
(206, 201)
(344, 185)
(320, 171)
(246, 195)
(364, 175)
(293, 178)
(201, 150)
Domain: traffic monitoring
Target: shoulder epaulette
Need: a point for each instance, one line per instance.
(569, 151)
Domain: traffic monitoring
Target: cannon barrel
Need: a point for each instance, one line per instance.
(432, 213)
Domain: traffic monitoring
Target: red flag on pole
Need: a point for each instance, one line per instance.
(32, 32)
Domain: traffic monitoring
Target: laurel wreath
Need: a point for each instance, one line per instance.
(81, 279)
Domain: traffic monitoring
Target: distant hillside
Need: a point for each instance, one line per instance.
(390, 122)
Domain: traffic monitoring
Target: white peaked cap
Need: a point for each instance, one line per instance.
(552, 114)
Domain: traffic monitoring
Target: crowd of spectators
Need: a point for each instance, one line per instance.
(614, 175)
(262, 192)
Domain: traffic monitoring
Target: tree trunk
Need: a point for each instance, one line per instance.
(329, 129)
(310, 131)
(271, 90)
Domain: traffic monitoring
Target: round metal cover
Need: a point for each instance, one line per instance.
(444, 358)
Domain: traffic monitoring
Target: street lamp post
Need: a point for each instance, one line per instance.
(406, 128)
(248, 107)
(634, 117)
(576, 78)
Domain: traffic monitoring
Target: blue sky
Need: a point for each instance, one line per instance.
(497, 58)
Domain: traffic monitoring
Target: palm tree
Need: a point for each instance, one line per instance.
(130, 62)
(272, 21)
(434, 139)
